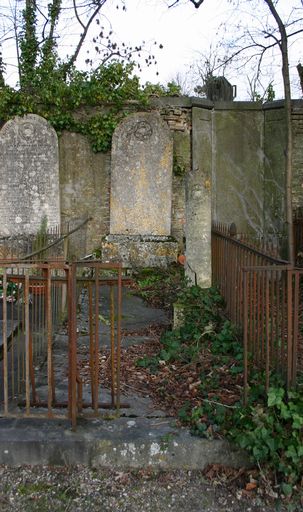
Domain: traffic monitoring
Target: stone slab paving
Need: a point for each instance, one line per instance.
(137, 436)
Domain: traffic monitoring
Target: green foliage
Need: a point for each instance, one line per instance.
(204, 420)
(56, 90)
(2, 70)
(161, 287)
(28, 45)
(179, 168)
(57, 99)
(41, 237)
(11, 290)
(225, 343)
(268, 95)
(273, 434)
(201, 320)
(148, 362)
(100, 129)
(271, 427)
(171, 89)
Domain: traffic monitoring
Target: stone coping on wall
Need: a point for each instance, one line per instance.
(193, 101)
(186, 102)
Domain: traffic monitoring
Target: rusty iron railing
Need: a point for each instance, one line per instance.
(229, 256)
(41, 370)
(99, 280)
(52, 245)
(272, 324)
(263, 298)
(298, 236)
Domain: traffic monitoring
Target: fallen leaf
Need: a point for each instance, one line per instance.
(250, 486)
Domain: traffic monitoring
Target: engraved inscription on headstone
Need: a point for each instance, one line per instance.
(141, 176)
(29, 175)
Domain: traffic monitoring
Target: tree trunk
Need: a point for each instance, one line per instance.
(283, 44)
(300, 71)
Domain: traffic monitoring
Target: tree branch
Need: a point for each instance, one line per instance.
(73, 58)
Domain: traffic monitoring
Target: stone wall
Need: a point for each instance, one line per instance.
(198, 200)
(274, 168)
(181, 168)
(85, 177)
(238, 158)
(227, 157)
(84, 186)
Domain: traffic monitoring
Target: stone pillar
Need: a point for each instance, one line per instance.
(198, 200)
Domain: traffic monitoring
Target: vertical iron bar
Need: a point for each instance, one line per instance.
(273, 309)
(119, 314)
(91, 342)
(289, 327)
(4, 334)
(27, 363)
(72, 352)
(295, 328)
(112, 343)
(50, 377)
(245, 329)
(267, 335)
(96, 361)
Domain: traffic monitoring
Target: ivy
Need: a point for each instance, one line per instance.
(273, 433)
(107, 90)
(60, 93)
(28, 45)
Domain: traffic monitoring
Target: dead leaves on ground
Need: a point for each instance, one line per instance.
(173, 383)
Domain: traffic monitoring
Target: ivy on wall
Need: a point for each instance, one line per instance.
(59, 101)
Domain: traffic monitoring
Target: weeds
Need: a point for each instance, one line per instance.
(270, 428)
(273, 433)
(160, 287)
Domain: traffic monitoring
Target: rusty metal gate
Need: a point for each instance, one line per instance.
(55, 319)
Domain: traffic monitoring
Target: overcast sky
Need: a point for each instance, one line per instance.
(185, 33)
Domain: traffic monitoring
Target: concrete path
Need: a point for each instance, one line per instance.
(138, 436)
(12, 323)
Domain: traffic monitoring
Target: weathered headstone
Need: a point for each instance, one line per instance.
(141, 176)
(141, 193)
(29, 175)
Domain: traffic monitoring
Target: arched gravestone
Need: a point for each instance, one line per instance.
(141, 193)
(29, 175)
(141, 176)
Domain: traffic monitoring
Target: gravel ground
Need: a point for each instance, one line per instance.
(74, 489)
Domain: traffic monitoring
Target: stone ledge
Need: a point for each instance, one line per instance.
(123, 443)
(139, 251)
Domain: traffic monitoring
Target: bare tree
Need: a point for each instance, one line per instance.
(255, 44)
(39, 29)
(282, 43)
(300, 71)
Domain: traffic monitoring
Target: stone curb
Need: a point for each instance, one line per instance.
(117, 443)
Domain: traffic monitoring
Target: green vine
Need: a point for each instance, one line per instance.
(91, 103)
(28, 45)
(62, 103)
